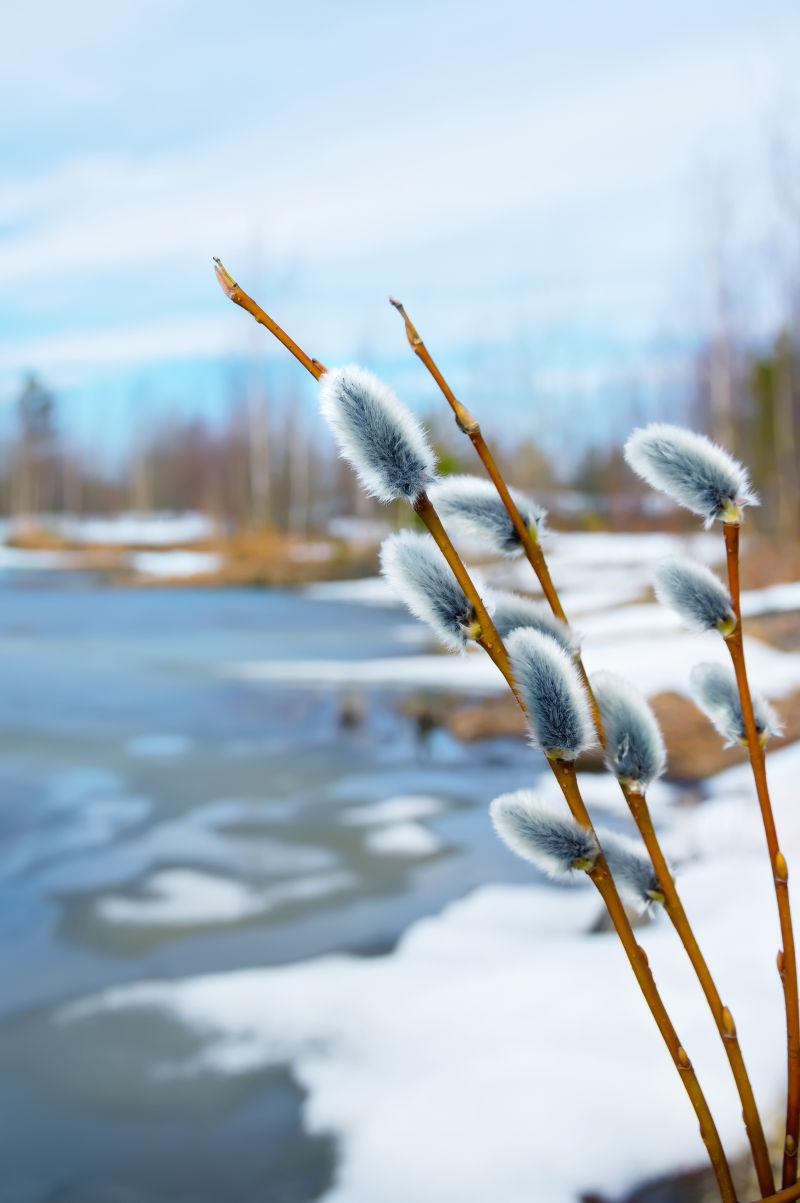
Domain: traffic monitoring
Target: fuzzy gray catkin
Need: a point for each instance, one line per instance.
(715, 692)
(692, 470)
(555, 843)
(635, 751)
(558, 711)
(632, 870)
(472, 508)
(696, 594)
(417, 573)
(511, 611)
(377, 435)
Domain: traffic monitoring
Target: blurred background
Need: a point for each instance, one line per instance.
(239, 789)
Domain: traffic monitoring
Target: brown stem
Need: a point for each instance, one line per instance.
(780, 873)
(722, 1016)
(533, 550)
(469, 424)
(531, 546)
(240, 297)
(603, 881)
(789, 1195)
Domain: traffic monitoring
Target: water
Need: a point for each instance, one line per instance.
(161, 818)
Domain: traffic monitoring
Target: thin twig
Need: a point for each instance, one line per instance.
(787, 959)
(469, 424)
(789, 1195)
(240, 298)
(640, 811)
(604, 883)
(722, 1015)
(565, 775)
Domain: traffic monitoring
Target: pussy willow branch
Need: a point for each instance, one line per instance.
(637, 803)
(565, 775)
(423, 506)
(787, 959)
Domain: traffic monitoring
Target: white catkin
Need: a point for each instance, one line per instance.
(512, 610)
(559, 715)
(688, 467)
(632, 870)
(554, 842)
(715, 692)
(635, 751)
(377, 434)
(696, 594)
(472, 508)
(418, 574)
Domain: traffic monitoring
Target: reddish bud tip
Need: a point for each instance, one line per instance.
(226, 280)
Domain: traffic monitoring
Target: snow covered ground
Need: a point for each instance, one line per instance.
(130, 529)
(494, 1053)
(602, 579)
(174, 564)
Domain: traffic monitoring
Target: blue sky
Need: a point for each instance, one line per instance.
(540, 183)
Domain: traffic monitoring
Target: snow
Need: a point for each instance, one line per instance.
(187, 897)
(641, 640)
(472, 672)
(402, 809)
(654, 665)
(772, 600)
(368, 591)
(511, 1017)
(174, 563)
(19, 558)
(364, 531)
(399, 832)
(145, 530)
(403, 839)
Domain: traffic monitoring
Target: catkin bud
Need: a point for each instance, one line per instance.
(473, 508)
(559, 716)
(377, 434)
(692, 470)
(555, 843)
(696, 594)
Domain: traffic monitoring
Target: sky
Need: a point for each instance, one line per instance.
(541, 184)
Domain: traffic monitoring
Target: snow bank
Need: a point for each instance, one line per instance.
(772, 600)
(403, 839)
(174, 563)
(16, 558)
(186, 897)
(399, 832)
(654, 664)
(468, 1065)
(472, 672)
(146, 530)
(368, 591)
(405, 808)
